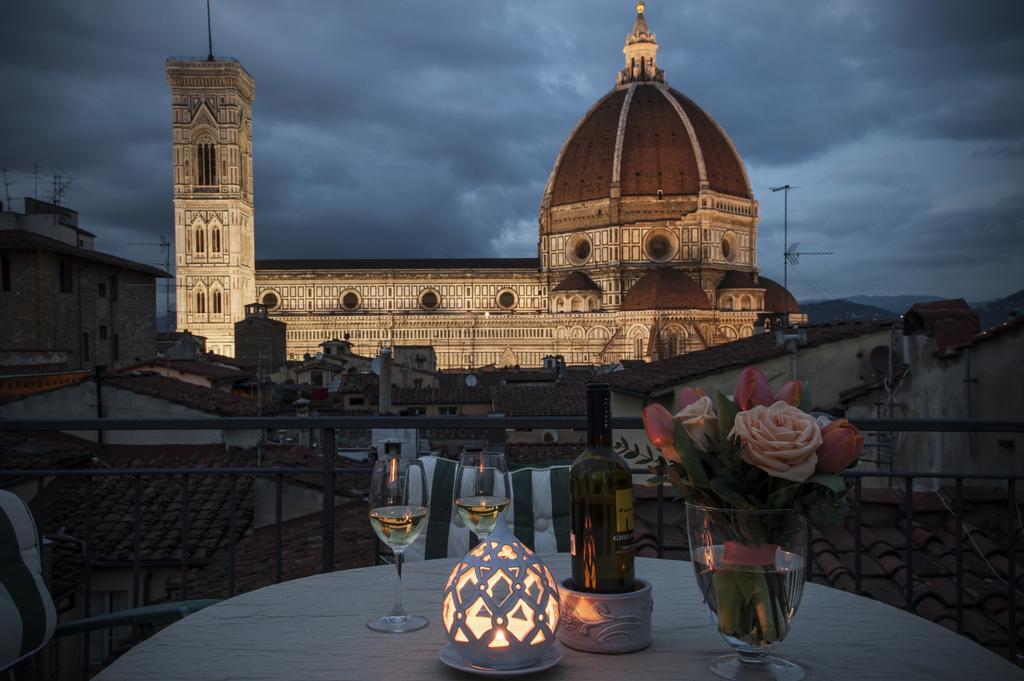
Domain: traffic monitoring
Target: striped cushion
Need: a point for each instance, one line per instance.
(27, 615)
(538, 513)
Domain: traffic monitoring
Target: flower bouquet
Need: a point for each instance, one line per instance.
(749, 468)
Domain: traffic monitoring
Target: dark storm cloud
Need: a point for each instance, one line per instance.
(428, 128)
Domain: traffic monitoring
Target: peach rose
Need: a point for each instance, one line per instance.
(781, 440)
(700, 422)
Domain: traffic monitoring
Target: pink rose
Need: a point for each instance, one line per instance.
(700, 422)
(688, 396)
(752, 389)
(781, 440)
(659, 425)
(841, 444)
(791, 393)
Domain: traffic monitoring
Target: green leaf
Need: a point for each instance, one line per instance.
(805, 399)
(784, 496)
(833, 483)
(726, 416)
(691, 460)
(730, 493)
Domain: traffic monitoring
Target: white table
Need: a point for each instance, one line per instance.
(314, 629)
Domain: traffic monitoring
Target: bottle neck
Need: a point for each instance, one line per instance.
(599, 416)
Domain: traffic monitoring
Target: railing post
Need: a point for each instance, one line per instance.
(327, 445)
(908, 537)
(278, 484)
(1011, 568)
(857, 520)
(87, 557)
(233, 503)
(184, 537)
(136, 542)
(959, 505)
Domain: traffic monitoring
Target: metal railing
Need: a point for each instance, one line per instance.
(329, 472)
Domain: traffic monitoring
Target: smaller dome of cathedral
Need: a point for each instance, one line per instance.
(666, 289)
(577, 281)
(775, 297)
(738, 279)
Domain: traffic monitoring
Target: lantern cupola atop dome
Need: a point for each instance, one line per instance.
(641, 53)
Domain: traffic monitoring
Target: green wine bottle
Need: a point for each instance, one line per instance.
(601, 492)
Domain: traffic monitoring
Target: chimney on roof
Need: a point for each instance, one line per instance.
(257, 311)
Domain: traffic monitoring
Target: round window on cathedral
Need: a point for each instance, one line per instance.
(271, 300)
(579, 250)
(429, 300)
(729, 247)
(660, 247)
(350, 300)
(506, 300)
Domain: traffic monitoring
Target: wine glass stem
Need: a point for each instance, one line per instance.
(398, 610)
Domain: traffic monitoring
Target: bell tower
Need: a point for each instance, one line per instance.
(211, 107)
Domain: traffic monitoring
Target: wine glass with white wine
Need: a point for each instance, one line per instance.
(481, 490)
(398, 505)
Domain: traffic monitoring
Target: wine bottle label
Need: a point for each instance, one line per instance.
(624, 511)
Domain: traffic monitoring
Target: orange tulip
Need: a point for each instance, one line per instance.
(841, 444)
(659, 425)
(752, 390)
(791, 393)
(688, 396)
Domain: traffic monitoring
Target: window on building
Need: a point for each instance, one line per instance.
(85, 347)
(215, 240)
(64, 272)
(104, 642)
(415, 411)
(200, 241)
(115, 348)
(216, 302)
(206, 164)
(103, 332)
(113, 287)
(5, 272)
(316, 378)
(200, 302)
(101, 289)
(417, 382)
(356, 401)
(448, 411)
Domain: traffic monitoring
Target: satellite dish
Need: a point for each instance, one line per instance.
(319, 355)
(880, 359)
(471, 380)
(375, 365)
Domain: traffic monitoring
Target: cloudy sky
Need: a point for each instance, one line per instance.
(414, 128)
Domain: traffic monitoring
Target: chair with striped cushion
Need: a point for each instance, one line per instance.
(538, 513)
(27, 615)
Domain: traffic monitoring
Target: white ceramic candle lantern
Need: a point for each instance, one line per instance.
(500, 607)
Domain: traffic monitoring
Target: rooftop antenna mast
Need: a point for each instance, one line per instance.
(7, 190)
(209, 33)
(165, 248)
(785, 246)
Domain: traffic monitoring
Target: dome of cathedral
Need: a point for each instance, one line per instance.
(666, 288)
(776, 297)
(646, 138)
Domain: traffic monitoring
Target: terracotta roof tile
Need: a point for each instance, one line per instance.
(209, 400)
(20, 239)
(576, 281)
(401, 264)
(693, 365)
(562, 399)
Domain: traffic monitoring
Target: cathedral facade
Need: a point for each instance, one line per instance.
(647, 241)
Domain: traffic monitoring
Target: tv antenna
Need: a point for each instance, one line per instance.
(785, 246)
(165, 249)
(60, 185)
(793, 255)
(209, 32)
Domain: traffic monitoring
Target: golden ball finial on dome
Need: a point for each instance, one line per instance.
(640, 7)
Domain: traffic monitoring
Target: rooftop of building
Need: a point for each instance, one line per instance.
(24, 240)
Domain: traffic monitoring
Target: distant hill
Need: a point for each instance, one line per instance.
(995, 312)
(896, 304)
(843, 310)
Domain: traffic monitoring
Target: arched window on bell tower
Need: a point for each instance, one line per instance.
(206, 162)
(216, 302)
(200, 240)
(215, 239)
(200, 302)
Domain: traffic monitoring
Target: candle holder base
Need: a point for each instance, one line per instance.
(606, 623)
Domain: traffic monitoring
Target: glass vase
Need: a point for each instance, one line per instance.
(749, 566)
